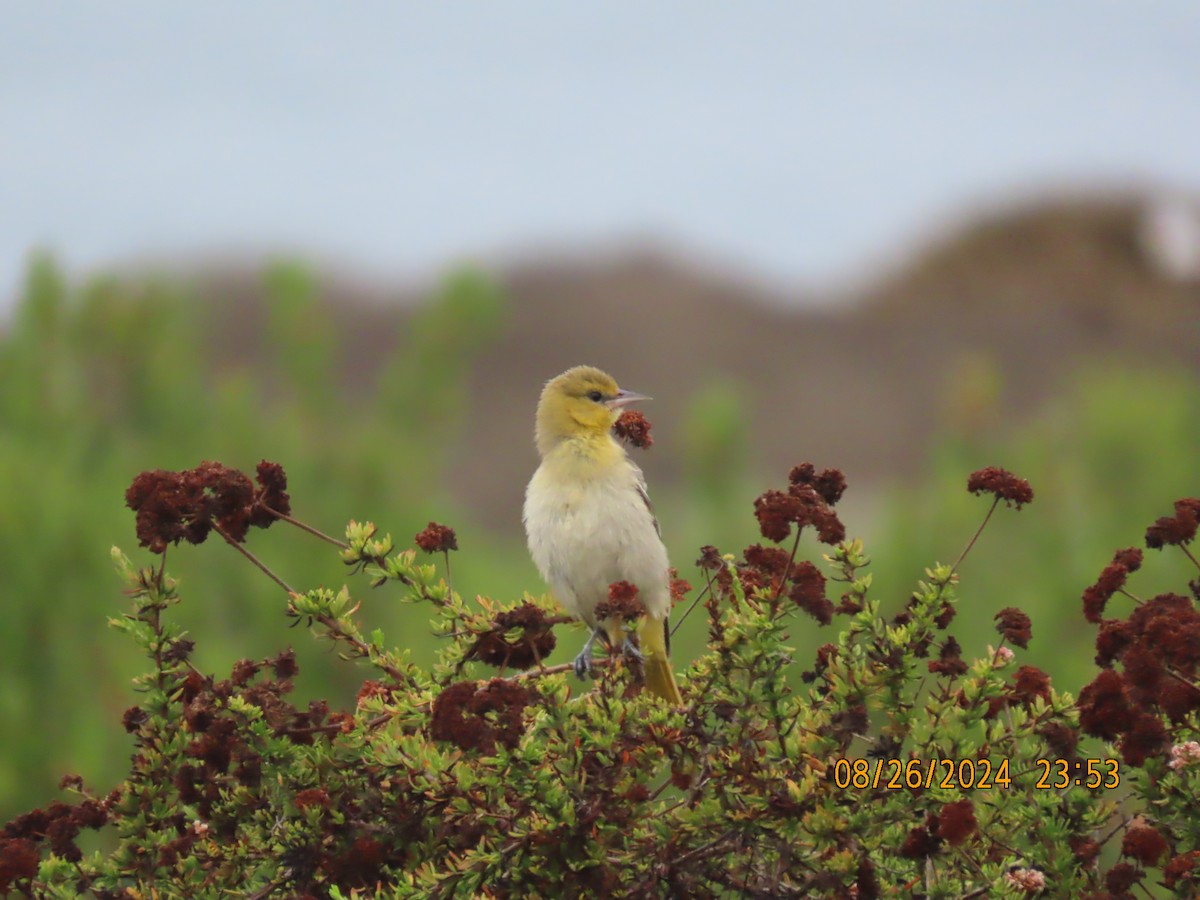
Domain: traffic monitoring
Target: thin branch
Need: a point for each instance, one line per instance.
(313, 531)
(975, 537)
(254, 559)
(688, 611)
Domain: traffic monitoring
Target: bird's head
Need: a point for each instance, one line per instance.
(582, 402)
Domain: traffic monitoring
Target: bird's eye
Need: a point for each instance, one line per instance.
(595, 396)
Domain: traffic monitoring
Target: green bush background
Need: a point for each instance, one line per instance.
(102, 380)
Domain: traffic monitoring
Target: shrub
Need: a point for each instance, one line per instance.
(902, 766)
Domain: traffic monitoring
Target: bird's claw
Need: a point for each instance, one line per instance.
(583, 664)
(630, 649)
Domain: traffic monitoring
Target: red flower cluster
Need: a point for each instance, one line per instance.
(477, 718)
(1111, 580)
(1144, 843)
(1177, 529)
(771, 570)
(437, 538)
(634, 428)
(175, 506)
(1159, 649)
(949, 661)
(952, 825)
(1028, 684)
(1015, 626)
(59, 824)
(1001, 484)
(622, 603)
(809, 500)
(536, 641)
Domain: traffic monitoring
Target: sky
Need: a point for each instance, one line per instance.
(796, 141)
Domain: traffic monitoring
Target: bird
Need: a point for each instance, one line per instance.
(589, 522)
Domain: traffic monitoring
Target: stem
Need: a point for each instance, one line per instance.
(787, 573)
(604, 662)
(1188, 554)
(313, 531)
(688, 611)
(975, 537)
(254, 559)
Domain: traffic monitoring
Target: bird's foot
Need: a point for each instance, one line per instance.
(630, 649)
(583, 662)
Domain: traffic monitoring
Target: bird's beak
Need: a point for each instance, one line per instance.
(624, 398)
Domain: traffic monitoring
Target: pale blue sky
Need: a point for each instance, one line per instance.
(798, 141)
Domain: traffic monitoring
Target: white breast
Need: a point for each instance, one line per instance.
(587, 532)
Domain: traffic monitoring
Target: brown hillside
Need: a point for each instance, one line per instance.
(984, 324)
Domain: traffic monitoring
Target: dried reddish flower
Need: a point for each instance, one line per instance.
(371, 689)
(775, 512)
(1112, 639)
(271, 496)
(866, 884)
(1146, 737)
(1014, 625)
(829, 484)
(622, 603)
(1177, 529)
(284, 664)
(772, 561)
(1029, 683)
(802, 505)
(922, 842)
(710, 559)
(633, 426)
(1122, 877)
(1001, 484)
(1178, 699)
(437, 538)
(243, 671)
(133, 719)
(956, 822)
(175, 506)
(949, 661)
(1180, 869)
(18, 862)
(1104, 707)
(943, 619)
(1144, 843)
(1085, 848)
(679, 586)
(535, 642)
(1061, 741)
(808, 592)
(477, 718)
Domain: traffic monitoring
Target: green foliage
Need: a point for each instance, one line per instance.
(103, 380)
(900, 767)
(1103, 455)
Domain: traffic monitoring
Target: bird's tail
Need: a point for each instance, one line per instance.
(660, 679)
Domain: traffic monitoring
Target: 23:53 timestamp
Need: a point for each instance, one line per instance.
(1056, 774)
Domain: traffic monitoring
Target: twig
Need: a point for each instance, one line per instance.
(688, 611)
(254, 559)
(975, 537)
(313, 531)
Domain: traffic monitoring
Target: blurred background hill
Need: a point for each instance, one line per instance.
(307, 237)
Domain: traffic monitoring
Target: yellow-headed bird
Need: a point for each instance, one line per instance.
(589, 522)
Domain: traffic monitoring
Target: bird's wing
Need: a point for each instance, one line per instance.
(639, 481)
